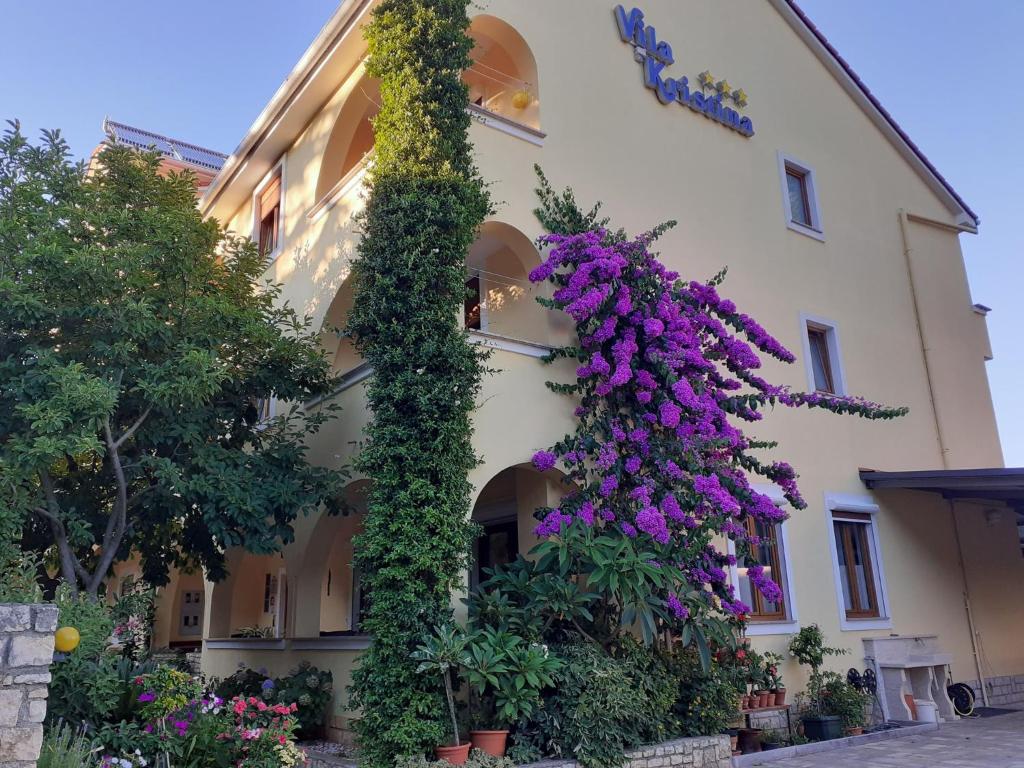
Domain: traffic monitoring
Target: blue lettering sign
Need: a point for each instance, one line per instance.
(655, 56)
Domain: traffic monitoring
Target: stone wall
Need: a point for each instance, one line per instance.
(700, 752)
(26, 650)
(1005, 691)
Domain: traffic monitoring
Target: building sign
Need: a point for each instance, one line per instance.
(707, 96)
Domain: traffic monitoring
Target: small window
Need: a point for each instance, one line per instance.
(822, 356)
(799, 208)
(768, 554)
(800, 198)
(267, 209)
(821, 364)
(474, 304)
(856, 570)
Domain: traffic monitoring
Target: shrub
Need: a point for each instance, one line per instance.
(839, 698)
(708, 699)
(306, 686)
(18, 578)
(311, 690)
(601, 705)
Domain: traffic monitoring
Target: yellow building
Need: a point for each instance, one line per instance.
(840, 237)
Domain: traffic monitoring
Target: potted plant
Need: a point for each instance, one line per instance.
(442, 653)
(842, 700)
(775, 685)
(755, 676)
(809, 649)
(506, 675)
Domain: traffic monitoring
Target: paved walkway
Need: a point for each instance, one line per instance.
(992, 742)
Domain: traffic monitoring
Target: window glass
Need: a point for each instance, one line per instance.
(855, 570)
(821, 365)
(767, 553)
(473, 313)
(798, 205)
(269, 217)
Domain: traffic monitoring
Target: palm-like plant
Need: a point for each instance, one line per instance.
(442, 652)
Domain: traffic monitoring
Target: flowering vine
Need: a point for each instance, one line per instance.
(668, 371)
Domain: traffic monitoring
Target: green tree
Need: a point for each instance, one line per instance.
(135, 343)
(425, 204)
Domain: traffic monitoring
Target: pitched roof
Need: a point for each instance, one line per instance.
(172, 149)
(876, 105)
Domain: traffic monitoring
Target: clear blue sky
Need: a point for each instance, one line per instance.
(949, 70)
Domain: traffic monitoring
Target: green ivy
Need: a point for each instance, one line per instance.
(425, 204)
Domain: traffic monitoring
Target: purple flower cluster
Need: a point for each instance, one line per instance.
(668, 372)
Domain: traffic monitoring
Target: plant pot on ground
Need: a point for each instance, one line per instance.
(455, 755)
(749, 740)
(491, 742)
(856, 730)
(823, 727)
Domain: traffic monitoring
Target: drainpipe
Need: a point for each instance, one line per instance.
(967, 604)
(943, 450)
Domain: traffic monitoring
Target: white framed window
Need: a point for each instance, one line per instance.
(800, 197)
(268, 214)
(857, 563)
(823, 357)
(767, 618)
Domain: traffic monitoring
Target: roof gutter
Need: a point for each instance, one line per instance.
(319, 51)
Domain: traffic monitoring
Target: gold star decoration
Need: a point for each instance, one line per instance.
(740, 97)
(722, 86)
(706, 78)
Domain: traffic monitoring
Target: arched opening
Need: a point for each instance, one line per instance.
(351, 139)
(338, 346)
(504, 509)
(328, 567)
(503, 76)
(501, 300)
(252, 601)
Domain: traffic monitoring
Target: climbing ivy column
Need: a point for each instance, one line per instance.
(425, 204)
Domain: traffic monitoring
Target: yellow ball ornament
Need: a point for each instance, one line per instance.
(66, 639)
(521, 99)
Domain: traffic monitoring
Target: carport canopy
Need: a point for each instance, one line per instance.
(997, 484)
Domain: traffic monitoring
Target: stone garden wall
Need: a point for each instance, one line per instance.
(700, 752)
(26, 650)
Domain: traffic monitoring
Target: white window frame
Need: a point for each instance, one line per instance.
(814, 231)
(279, 168)
(839, 503)
(791, 624)
(835, 351)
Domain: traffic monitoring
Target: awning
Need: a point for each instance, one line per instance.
(1002, 484)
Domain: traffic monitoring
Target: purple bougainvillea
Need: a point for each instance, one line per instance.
(667, 375)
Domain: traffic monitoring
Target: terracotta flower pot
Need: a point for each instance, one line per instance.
(780, 697)
(765, 699)
(453, 755)
(855, 731)
(491, 742)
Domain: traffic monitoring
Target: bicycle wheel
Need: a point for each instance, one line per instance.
(962, 696)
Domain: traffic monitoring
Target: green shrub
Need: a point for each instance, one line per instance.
(311, 690)
(708, 699)
(18, 578)
(601, 705)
